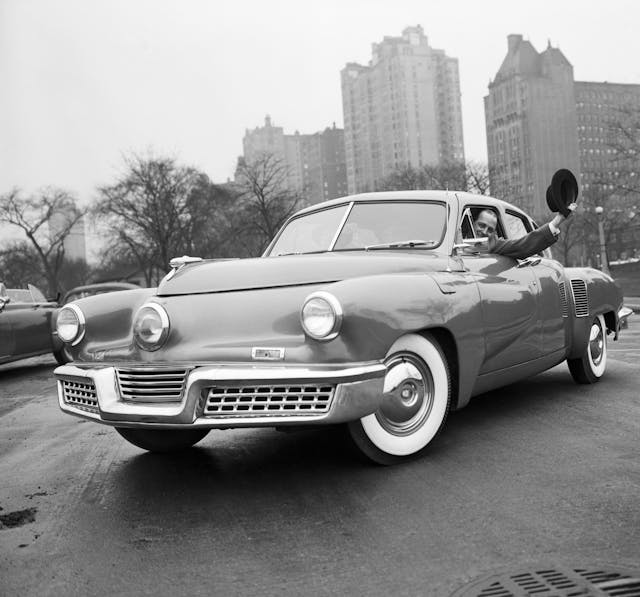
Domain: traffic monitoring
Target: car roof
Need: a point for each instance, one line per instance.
(445, 196)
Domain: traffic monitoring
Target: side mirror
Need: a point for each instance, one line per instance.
(470, 243)
(530, 261)
(3, 301)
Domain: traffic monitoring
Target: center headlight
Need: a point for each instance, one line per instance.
(151, 326)
(321, 316)
(70, 324)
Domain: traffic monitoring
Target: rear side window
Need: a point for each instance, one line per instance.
(517, 226)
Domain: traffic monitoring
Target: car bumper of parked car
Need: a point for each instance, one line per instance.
(219, 396)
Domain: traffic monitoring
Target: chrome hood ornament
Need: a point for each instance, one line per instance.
(177, 262)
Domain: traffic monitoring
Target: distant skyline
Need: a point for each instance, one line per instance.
(84, 82)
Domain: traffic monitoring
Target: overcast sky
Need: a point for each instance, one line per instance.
(83, 82)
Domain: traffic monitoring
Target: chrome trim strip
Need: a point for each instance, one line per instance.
(341, 225)
(358, 393)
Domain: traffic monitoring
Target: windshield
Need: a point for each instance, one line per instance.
(375, 225)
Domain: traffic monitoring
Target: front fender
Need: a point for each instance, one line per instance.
(383, 308)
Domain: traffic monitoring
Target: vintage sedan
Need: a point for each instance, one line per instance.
(380, 311)
(27, 325)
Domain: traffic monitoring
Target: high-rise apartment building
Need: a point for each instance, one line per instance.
(539, 119)
(604, 111)
(608, 116)
(402, 109)
(531, 124)
(315, 163)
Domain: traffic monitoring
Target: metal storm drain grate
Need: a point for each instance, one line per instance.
(556, 582)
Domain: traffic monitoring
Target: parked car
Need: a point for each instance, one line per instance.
(370, 310)
(27, 325)
(91, 289)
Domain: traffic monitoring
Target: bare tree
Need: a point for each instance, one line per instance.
(20, 265)
(455, 176)
(46, 218)
(622, 132)
(477, 174)
(266, 199)
(158, 210)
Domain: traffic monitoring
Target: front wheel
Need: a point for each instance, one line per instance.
(590, 367)
(162, 440)
(417, 394)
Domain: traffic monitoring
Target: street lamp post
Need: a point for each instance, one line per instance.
(604, 262)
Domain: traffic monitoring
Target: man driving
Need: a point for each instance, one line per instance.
(520, 248)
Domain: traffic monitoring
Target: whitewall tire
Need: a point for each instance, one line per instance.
(417, 395)
(590, 367)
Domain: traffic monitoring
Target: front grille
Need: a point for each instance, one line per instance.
(151, 384)
(268, 400)
(563, 299)
(580, 298)
(80, 395)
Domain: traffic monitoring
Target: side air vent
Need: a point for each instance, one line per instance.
(563, 299)
(580, 297)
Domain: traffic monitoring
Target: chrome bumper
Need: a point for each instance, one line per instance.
(96, 395)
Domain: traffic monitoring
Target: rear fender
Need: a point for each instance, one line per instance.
(592, 293)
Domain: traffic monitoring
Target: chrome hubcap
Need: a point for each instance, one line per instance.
(408, 395)
(596, 343)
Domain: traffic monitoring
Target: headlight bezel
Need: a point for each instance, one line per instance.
(336, 308)
(164, 320)
(79, 335)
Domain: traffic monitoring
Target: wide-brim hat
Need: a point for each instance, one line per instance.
(562, 191)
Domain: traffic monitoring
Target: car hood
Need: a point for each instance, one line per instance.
(294, 270)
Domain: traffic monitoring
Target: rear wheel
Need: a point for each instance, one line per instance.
(162, 440)
(417, 393)
(590, 367)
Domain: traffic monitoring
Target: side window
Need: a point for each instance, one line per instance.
(470, 215)
(517, 226)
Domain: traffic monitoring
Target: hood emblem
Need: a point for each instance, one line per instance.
(177, 262)
(260, 353)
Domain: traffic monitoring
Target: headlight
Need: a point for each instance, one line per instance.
(321, 316)
(151, 326)
(70, 324)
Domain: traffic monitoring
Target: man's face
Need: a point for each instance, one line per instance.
(486, 224)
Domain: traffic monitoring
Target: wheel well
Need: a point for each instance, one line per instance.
(448, 344)
(610, 320)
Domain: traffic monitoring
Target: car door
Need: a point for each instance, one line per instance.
(549, 274)
(7, 340)
(30, 318)
(509, 304)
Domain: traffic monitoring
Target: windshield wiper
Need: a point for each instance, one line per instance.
(402, 244)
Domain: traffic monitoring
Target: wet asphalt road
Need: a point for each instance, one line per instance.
(540, 472)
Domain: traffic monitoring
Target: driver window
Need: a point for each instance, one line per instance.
(470, 215)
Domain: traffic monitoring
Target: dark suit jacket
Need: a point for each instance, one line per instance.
(521, 248)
